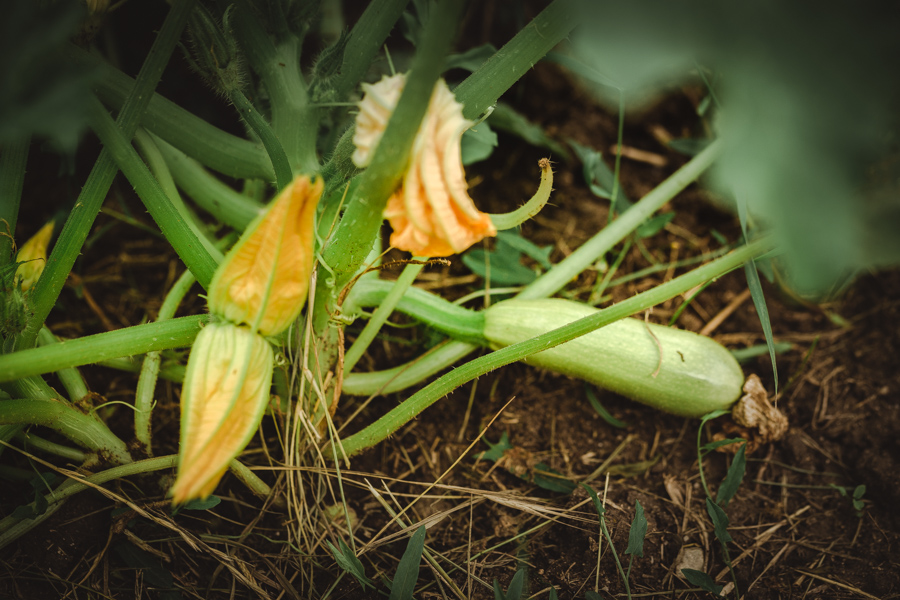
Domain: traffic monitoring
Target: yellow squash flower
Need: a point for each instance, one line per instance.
(264, 279)
(431, 213)
(33, 256)
(226, 391)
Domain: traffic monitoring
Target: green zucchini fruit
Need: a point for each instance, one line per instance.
(679, 372)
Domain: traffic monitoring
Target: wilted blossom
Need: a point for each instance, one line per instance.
(264, 279)
(431, 213)
(225, 392)
(33, 256)
(258, 290)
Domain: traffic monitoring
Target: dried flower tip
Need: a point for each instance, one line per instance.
(226, 391)
(33, 256)
(431, 213)
(264, 279)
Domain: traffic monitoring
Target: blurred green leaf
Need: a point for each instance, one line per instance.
(505, 260)
(348, 561)
(41, 93)
(637, 532)
(601, 410)
(733, 478)
(719, 519)
(654, 225)
(408, 569)
(505, 118)
(599, 177)
(802, 118)
(702, 580)
(477, 143)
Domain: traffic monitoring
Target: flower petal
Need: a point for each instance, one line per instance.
(432, 213)
(33, 256)
(264, 279)
(226, 391)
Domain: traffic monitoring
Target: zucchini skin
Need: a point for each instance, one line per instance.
(697, 374)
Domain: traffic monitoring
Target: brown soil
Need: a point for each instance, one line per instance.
(794, 534)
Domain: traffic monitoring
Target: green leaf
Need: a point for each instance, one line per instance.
(713, 415)
(538, 254)
(719, 443)
(478, 143)
(811, 183)
(408, 569)
(719, 519)
(154, 572)
(496, 450)
(43, 93)
(598, 176)
(201, 504)
(552, 595)
(859, 492)
(654, 225)
(470, 60)
(592, 595)
(601, 410)
(689, 146)
(762, 311)
(516, 586)
(702, 580)
(544, 478)
(505, 261)
(637, 532)
(597, 503)
(498, 593)
(348, 561)
(733, 478)
(506, 119)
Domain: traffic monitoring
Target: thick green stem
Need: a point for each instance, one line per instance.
(171, 222)
(86, 431)
(71, 379)
(482, 88)
(13, 157)
(436, 390)
(139, 339)
(448, 318)
(378, 318)
(260, 126)
(294, 121)
(225, 204)
(31, 441)
(366, 39)
(534, 205)
(143, 397)
(221, 151)
(404, 376)
(81, 219)
(160, 170)
(562, 273)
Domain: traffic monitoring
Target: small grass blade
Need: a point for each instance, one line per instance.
(515, 589)
(408, 570)
(348, 561)
(720, 521)
(601, 410)
(733, 478)
(638, 531)
(702, 580)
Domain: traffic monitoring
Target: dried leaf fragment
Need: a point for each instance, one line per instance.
(755, 411)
